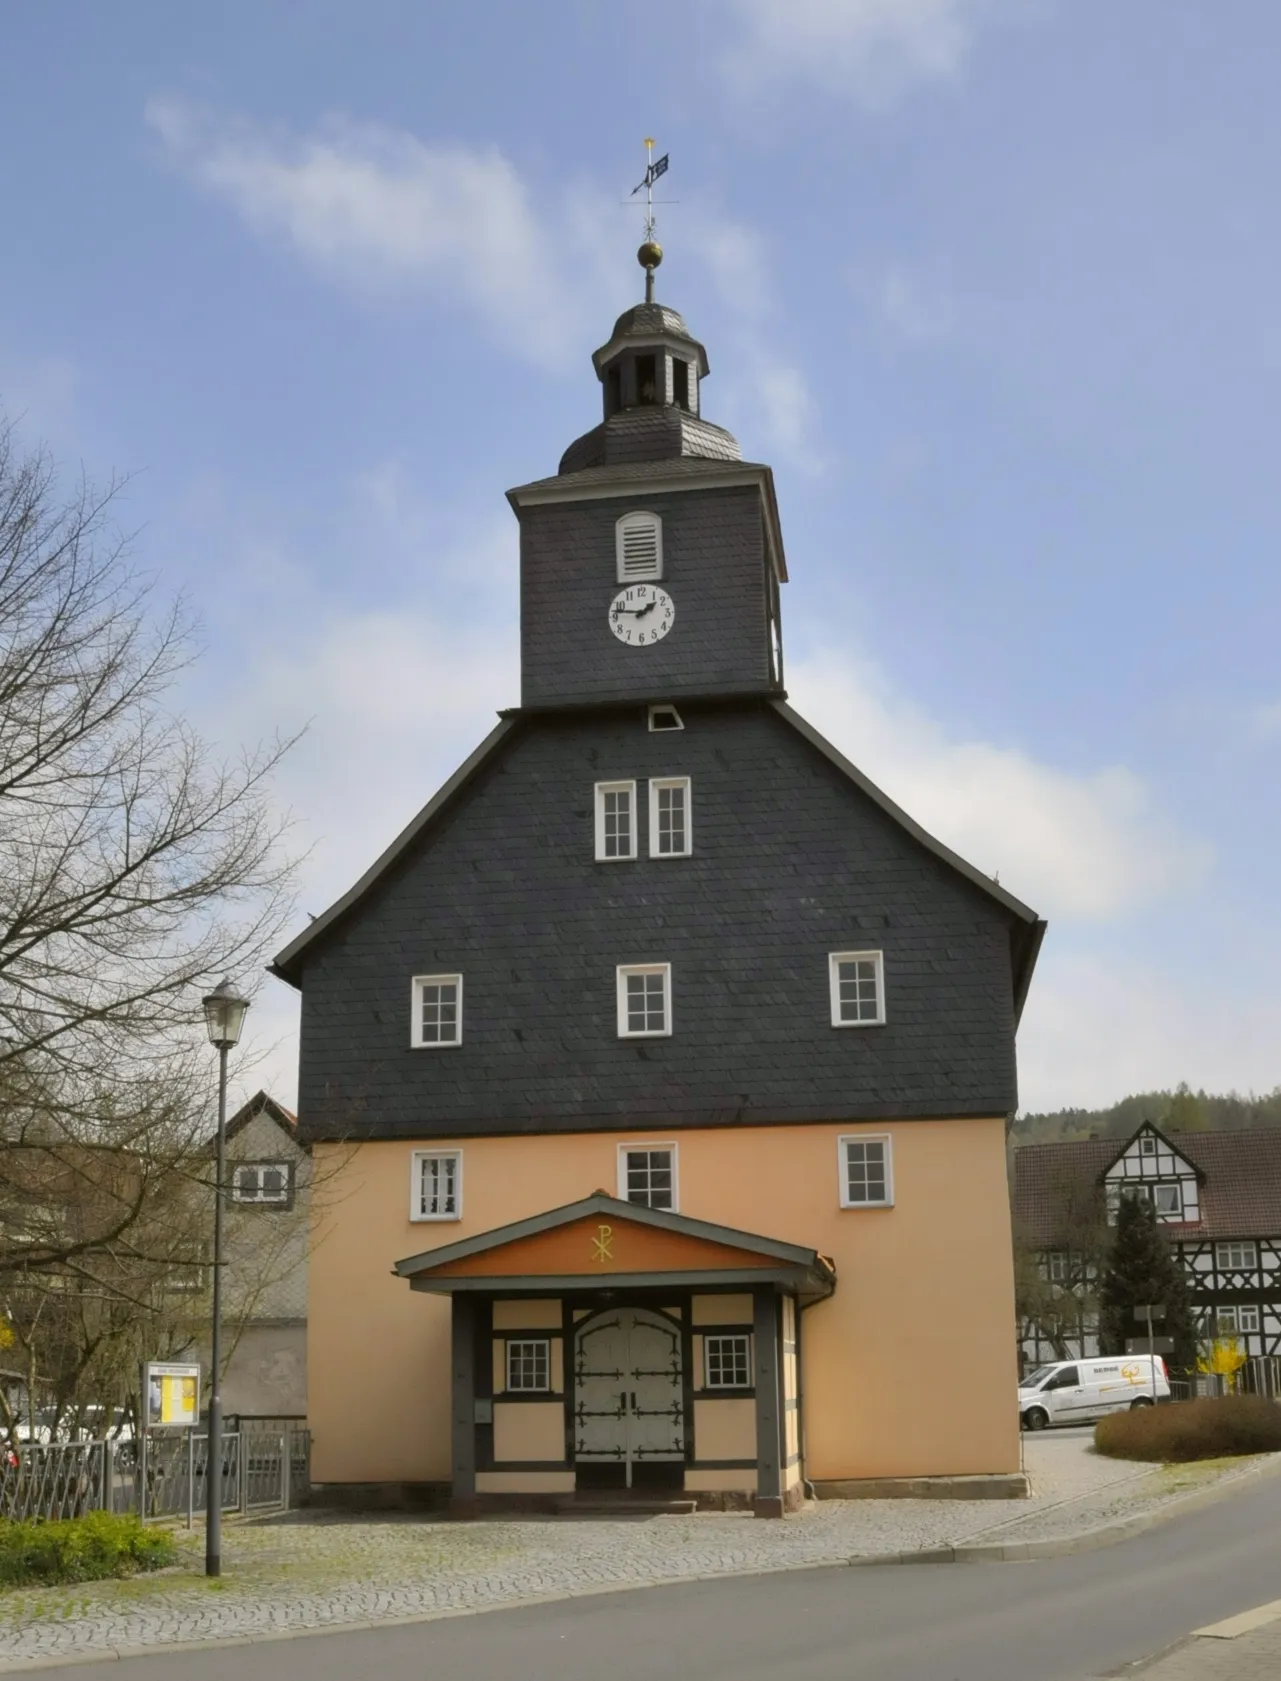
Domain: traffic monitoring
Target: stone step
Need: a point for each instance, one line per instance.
(623, 1506)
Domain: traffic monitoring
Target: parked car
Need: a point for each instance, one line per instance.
(1080, 1391)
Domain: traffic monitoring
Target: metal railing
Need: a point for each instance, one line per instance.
(165, 1475)
(1260, 1375)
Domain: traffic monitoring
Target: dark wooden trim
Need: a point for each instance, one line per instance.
(687, 1376)
(667, 1285)
(501, 1465)
(519, 1396)
(483, 1377)
(723, 1465)
(568, 1376)
(742, 1329)
(463, 1420)
(655, 1120)
(765, 1341)
(739, 1394)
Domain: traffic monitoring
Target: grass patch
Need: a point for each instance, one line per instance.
(1188, 1430)
(87, 1549)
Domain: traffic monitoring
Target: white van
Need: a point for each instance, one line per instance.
(1079, 1391)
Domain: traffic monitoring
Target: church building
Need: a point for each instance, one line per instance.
(656, 1077)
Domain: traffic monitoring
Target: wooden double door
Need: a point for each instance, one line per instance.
(629, 1399)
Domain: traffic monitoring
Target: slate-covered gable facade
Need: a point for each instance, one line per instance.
(790, 862)
(753, 1123)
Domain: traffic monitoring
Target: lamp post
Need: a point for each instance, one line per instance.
(224, 1018)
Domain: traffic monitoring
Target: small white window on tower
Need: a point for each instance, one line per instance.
(670, 817)
(639, 545)
(615, 820)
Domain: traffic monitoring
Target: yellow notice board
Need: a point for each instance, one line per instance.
(172, 1394)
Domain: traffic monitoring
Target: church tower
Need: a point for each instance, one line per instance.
(657, 1028)
(650, 563)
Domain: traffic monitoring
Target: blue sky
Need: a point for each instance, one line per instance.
(992, 284)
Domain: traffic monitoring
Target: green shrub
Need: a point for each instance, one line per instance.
(1202, 1429)
(80, 1549)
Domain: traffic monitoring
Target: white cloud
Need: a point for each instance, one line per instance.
(871, 49)
(1098, 1025)
(380, 209)
(914, 307)
(1086, 847)
(790, 413)
(1266, 721)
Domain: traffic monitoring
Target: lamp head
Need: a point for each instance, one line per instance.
(224, 1015)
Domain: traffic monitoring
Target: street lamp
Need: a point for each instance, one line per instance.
(224, 1018)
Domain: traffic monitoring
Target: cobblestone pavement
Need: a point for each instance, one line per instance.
(1252, 1656)
(314, 1570)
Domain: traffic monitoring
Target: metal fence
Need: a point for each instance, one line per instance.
(1260, 1375)
(164, 1475)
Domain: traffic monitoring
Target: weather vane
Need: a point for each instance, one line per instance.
(650, 254)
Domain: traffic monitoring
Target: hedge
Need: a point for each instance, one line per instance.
(1201, 1429)
(80, 1549)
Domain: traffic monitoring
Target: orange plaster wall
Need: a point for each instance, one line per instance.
(909, 1369)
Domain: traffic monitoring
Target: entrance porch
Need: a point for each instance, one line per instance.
(610, 1350)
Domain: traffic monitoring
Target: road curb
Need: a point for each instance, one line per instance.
(975, 1552)
(1083, 1540)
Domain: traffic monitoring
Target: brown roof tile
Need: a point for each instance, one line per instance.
(1056, 1185)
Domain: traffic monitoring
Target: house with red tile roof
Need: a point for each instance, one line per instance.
(1217, 1195)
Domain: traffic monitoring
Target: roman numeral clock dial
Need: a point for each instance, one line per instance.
(641, 614)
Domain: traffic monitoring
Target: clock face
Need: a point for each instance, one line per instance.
(641, 614)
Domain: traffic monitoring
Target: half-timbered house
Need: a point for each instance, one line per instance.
(1217, 1195)
(658, 1072)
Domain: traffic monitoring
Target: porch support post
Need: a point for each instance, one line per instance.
(462, 1493)
(769, 1417)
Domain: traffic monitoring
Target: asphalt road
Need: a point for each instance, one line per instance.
(1055, 1620)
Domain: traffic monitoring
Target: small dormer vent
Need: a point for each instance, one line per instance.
(639, 544)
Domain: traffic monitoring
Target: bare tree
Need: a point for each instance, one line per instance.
(1056, 1286)
(136, 868)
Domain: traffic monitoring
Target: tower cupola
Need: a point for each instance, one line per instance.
(651, 372)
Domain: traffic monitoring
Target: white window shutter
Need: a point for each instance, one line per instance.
(639, 542)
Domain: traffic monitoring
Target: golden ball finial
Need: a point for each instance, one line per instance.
(650, 254)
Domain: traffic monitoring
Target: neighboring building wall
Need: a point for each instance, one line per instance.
(266, 1281)
(924, 1286)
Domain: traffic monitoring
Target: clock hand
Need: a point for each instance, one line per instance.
(648, 608)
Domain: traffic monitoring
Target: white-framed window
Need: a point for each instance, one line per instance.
(529, 1364)
(1243, 1319)
(436, 1185)
(638, 543)
(1056, 1266)
(867, 1177)
(266, 1183)
(1241, 1255)
(644, 1000)
(1147, 1146)
(671, 831)
(1233, 1321)
(615, 820)
(857, 983)
(665, 718)
(1167, 1199)
(647, 1174)
(437, 1019)
(727, 1361)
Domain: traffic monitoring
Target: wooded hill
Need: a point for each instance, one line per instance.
(1181, 1110)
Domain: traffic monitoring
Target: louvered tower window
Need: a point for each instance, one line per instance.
(639, 540)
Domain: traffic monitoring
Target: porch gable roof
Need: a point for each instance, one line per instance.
(599, 1238)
